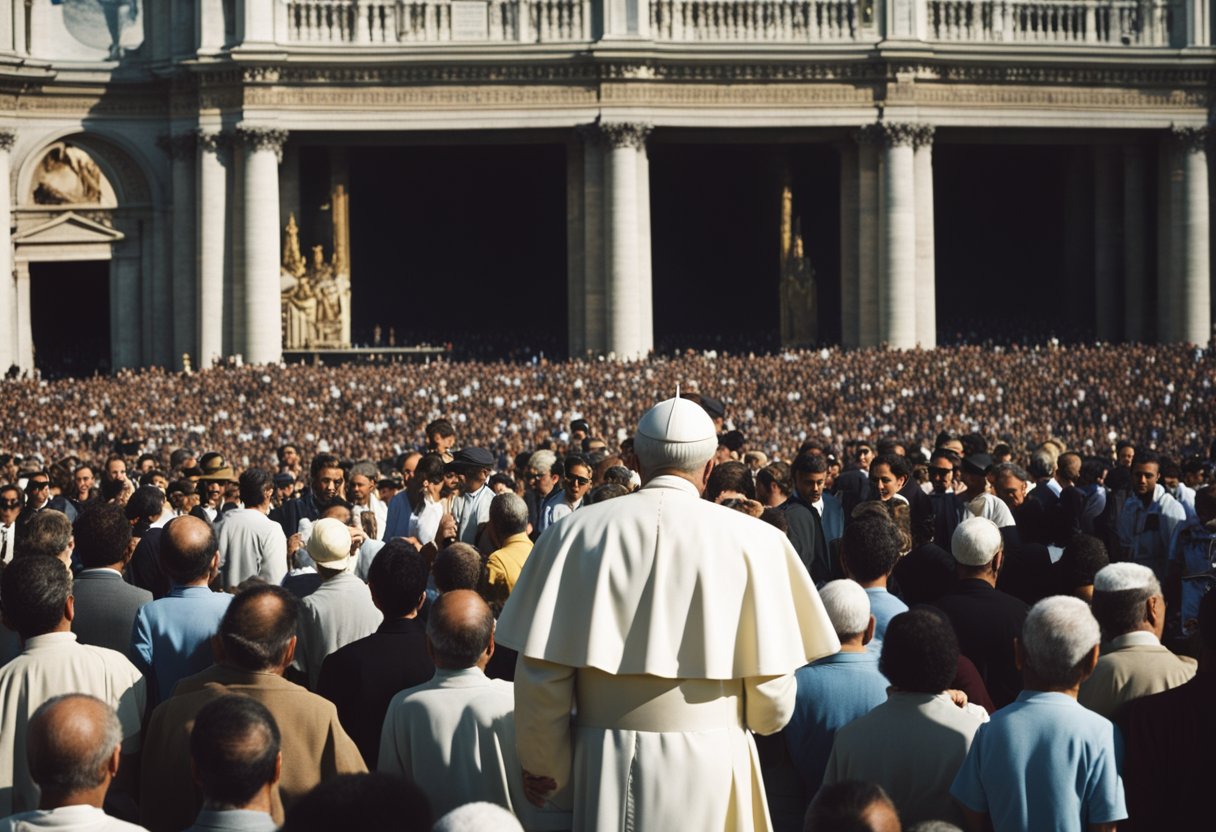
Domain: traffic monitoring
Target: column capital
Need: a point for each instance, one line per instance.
(624, 134)
(868, 134)
(7, 138)
(216, 142)
(262, 138)
(922, 134)
(1193, 139)
(900, 133)
(178, 146)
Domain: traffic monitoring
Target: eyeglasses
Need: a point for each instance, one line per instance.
(531, 475)
(577, 480)
(939, 472)
(37, 485)
(10, 504)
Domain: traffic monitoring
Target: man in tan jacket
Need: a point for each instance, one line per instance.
(1131, 610)
(255, 645)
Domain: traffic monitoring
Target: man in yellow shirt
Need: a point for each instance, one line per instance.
(509, 531)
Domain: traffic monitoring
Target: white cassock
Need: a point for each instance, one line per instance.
(672, 627)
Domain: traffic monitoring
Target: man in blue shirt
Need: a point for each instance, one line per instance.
(172, 636)
(835, 690)
(869, 551)
(1045, 762)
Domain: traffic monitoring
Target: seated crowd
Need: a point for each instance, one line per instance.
(1027, 639)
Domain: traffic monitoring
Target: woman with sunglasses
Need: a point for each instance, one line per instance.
(575, 483)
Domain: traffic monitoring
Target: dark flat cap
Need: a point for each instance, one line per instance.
(713, 407)
(283, 480)
(470, 459)
(977, 464)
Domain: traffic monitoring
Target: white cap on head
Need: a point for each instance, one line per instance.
(675, 433)
(329, 544)
(1122, 576)
(847, 605)
(478, 817)
(976, 541)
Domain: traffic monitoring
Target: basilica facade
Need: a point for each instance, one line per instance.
(161, 142)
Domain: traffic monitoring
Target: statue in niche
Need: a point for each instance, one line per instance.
(67, 176)
(315, 298)
(113, 25)
(798, 290)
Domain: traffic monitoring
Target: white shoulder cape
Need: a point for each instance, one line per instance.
(664, 583)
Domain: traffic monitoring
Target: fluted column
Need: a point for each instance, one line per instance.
(926, 249)
(576, 254)
(183, 153)
(8, 281)
(849, 192)
(628, 333)
(897, 243)
(1194, 312)
(261, 147)
(1133, 244)
(214, 156)
(594, 278)
(1107, 251)
(868, 140)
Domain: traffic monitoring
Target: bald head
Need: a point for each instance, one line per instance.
(187, 549)
(460, 630)
(73, 747)
(258, 631)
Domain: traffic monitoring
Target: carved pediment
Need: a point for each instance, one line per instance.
(68, 229)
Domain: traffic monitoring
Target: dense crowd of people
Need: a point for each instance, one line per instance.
(813, 591)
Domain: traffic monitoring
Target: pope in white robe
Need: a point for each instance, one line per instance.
(655, 632)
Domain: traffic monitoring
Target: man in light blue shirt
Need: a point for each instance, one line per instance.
(172, 636)
(869, 551)
(1045, 762)
(835, 690)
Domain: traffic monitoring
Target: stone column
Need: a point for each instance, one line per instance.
(576, 254)
(1194, 311)
(1166, 245)
(210, 31)
(1107, 289)
(849, 191)
(212, 245)
(183, 153)
(1133, 244)
(897, 246)
(257, 22)
(124, 296)
(926, 250)
(627, 333)
(8, 283)
(25, 324)
(595, 289)
(646, 282)
(262, 148)
(868, 140)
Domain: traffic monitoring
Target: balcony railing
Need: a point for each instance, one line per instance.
(1105, 22)
(1049, 22)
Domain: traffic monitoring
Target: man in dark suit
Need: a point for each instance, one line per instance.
(853, 486)
(985, 619)
(105, 604)
(326, 482)
(805, 524)
(362, 677)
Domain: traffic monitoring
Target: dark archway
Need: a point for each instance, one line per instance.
(70, 317)
(715, 240)
(459, 244)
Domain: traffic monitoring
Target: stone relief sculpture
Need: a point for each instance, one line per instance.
(798, 289)
(67, 175)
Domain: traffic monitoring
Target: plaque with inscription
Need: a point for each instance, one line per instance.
(470, 20)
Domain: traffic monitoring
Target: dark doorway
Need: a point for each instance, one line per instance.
(1014, 255)
(715, 240)
(463, 245)
(70, 317)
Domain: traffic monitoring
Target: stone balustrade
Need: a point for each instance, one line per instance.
(1099, 22)
(437, 21)
(754, 20)
(1048, 22)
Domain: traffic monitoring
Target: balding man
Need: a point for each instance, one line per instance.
(679, 623)
(455, 735)
(254, 646)
(172, 635)
(38, 604)
(509, 533)
(74, 743)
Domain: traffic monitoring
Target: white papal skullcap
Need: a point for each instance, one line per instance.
(847, 605)
(975, 541)
(1122, 576)
(478, 817)
(675, 433)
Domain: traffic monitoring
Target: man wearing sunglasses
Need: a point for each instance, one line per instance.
(37, 495)
(10, 508)
(947, 506)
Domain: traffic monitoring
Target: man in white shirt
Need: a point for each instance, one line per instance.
(75, 746)
(363, 497)
(472, 508)
(38, 604)
(455, 735)
(251, 544)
